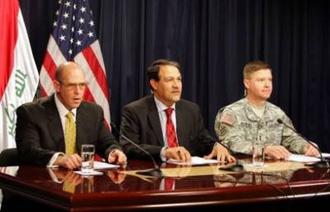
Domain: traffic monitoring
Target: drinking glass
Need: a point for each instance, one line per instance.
(258, 155)
(87, 157)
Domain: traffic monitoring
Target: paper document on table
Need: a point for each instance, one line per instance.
(326, 155)
(195, 160)
(103, 165)
(302, 158)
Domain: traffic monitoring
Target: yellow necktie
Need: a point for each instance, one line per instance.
(70, 134)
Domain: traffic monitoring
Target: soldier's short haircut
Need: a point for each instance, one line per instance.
(254, 66)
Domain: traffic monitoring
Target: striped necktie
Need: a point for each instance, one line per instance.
(70, 134)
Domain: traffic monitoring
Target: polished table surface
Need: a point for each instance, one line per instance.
(116, 190)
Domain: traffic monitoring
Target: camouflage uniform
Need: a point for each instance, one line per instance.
(237, 126)
(252, 178)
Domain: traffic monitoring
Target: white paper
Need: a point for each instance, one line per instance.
(195, 160)
(302, 158)
(326, 155)
(102, 165)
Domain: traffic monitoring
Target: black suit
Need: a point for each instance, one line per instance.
(39, 132)
(140, 123)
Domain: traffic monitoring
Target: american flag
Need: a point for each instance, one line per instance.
(74, 39)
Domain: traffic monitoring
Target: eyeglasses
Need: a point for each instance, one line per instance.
(72, 86)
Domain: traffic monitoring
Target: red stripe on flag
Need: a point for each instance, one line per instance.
(49, 65)
(8, 34)
(88, 95)
(42, 91)
(97, 70)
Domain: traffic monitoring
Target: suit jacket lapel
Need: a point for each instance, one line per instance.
(81, 135)
(154, 120)
(54, 124)
(180, 123)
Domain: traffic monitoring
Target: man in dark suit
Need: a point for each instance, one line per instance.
(41, 131)
(165, 125)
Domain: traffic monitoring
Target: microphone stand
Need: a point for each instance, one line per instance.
(323, 163)
(156, 171)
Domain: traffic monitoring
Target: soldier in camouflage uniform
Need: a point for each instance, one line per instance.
(253, 119)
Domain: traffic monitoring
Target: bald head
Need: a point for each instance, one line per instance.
(65, 67)
(70, 84)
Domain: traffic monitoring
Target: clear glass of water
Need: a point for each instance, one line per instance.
(87, 157)
(258, 155)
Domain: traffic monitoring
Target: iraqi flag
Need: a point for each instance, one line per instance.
(18, 72)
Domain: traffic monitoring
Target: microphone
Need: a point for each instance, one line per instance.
(156, 171)
(320, 164)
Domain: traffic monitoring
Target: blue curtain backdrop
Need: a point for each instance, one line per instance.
(212, 39)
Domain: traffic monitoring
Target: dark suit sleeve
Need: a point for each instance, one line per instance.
(28, 138)
(105, 142)
(92, 129)
(135, 127)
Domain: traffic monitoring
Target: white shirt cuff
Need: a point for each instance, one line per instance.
(162, 154)
(53, 176)
(53, 159)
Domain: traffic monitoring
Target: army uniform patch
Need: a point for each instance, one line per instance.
(228, 118)
(222, 130)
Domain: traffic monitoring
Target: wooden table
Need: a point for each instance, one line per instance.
(117, 191)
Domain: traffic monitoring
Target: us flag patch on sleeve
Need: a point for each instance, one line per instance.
(228, 118)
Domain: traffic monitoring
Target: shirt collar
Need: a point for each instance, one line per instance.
(62, 109)
(161, 106)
